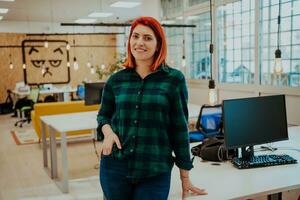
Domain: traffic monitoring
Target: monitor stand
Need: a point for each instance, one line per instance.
(247, 152)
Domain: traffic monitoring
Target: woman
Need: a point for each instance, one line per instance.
(143, 119)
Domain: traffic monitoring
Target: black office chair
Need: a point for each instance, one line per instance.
(7, 106)
(28, 107)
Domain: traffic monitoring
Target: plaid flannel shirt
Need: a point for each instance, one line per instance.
(150, 118)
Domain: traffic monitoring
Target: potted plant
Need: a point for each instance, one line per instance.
(105, 71)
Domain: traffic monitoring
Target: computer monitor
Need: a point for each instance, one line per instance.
(93, 93)
(253, 121)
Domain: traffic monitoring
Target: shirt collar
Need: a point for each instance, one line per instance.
(164, 67)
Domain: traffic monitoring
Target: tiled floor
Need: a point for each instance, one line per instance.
(22, 176)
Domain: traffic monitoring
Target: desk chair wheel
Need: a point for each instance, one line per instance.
(20, 124)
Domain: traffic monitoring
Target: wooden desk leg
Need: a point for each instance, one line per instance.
(44, 144)
(65, 174)
(53, 152)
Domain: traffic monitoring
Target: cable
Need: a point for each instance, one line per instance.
(211, 46)
(268, 148)
(278, 22)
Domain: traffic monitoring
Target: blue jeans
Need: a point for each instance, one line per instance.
(117, 186)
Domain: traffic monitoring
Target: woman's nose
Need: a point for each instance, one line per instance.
(140, 42)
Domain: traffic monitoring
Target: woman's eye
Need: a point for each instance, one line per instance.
(147, 38)
(135, 36)
(55, 63)
(38, 63)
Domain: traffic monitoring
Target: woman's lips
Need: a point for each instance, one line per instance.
(140, 50)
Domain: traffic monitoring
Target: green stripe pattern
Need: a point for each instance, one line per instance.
(150, 118)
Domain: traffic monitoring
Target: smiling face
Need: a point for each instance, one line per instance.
(46, 65)
(143, 44)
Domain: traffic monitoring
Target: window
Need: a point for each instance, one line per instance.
(195, 2)
(171, 7)
(198, 40)
(235, 39)
(235, 45)
(289, 42)
(175, 46)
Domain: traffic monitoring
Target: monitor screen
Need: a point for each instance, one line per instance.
(253, 121)
(93, 93)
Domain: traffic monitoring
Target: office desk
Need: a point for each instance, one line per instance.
(227, 182)
(63, 93)
(72, 122)
(63, 123)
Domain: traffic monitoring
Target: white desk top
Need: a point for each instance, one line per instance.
(72, 121)
(221, 182)
(86, 120)
(57, 90)
(47, 91)
(227, 182)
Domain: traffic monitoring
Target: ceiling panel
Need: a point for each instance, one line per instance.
(67, 11)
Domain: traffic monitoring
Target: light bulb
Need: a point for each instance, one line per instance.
(102, 66)
(68, 46)
(212, 93)
(212, 97)
(92, 70)
(24, 66)
(278, 66)
(278, 63)
(68, 64)
(11, 66)
(46, 44)
(43, 70)
(183, 62)
(88, 64)
(75, 66)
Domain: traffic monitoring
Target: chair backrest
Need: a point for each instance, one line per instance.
(209, 121)
(80, 92)
(34, 94)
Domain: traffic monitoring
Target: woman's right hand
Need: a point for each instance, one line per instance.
(108, 143)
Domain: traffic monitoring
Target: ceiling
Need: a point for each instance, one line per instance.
(67, 11)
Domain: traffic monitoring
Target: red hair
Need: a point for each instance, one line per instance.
(161, 54)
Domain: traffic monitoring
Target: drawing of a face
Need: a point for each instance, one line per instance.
(46, 65)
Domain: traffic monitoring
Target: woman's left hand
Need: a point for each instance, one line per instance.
(187, 186)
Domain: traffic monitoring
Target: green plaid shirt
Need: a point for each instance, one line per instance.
(150, 118)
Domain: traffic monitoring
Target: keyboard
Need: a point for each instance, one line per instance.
(263, 161)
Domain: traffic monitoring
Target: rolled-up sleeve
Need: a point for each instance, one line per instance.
(179, 126)
(107, 108)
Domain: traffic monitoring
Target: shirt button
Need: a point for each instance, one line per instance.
(137, 106)
(133, 137)
(139, 92)
(131, 150)
(135, 121)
